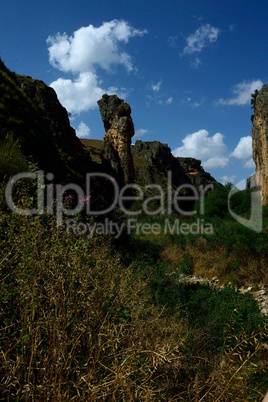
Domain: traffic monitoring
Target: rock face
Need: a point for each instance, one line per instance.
(251, 182)
(195, 172)
(153, 160)
(260, 140)
(118, 124)
(31, 113)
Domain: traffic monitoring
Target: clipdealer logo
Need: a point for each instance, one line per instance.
(255, 221)
(50, 200)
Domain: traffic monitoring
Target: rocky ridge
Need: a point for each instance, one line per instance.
(31, 113)
(195, 172)
(153, 160)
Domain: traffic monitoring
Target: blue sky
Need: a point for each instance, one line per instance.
(187, 69)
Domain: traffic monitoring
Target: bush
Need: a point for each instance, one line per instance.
(214, 310)
(216, 202)
(241, 202)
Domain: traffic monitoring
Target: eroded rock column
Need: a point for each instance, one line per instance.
(118, 124)
(260, 141)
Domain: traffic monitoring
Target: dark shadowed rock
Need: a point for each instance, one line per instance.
(31, 113)
(195, 172)
(153, 160)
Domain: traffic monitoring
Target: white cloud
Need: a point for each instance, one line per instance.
(141, 132)
(81, 54)
(249, 164)
(243, 150)
(216, 162)
(83, 131)
(201, 38)
(169, 100)
(228, 179)
(89, 47)
(79, 95)
(156, 87)
(242, 93)
(200, 146)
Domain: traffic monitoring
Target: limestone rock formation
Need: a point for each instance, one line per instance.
(152, 161)
(260, 140)
(118, 124)
(196, 172)
(251, 182)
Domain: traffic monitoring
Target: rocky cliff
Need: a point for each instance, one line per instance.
(31, 113)
(118, 124)
(195, 172)
(260, 140)
(153, 160)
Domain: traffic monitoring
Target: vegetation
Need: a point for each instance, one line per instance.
(99, 318)
(253, 102)
(12, 160)
(93, 319)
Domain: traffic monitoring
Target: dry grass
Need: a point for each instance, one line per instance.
(91, 143)
(172, 254)
(78, 324)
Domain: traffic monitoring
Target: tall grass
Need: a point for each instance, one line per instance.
(80, 324)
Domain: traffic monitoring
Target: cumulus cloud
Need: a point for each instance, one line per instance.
(81, 54)
(249, 164)
(216, 162)
(242, 93)
(83, 131)
(91, 46)
(200, 145)
(202, 37)
(79, 95)
(243, 150)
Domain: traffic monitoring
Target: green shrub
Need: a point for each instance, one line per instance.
(240, 202)
(216, 201)
(214, 310)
